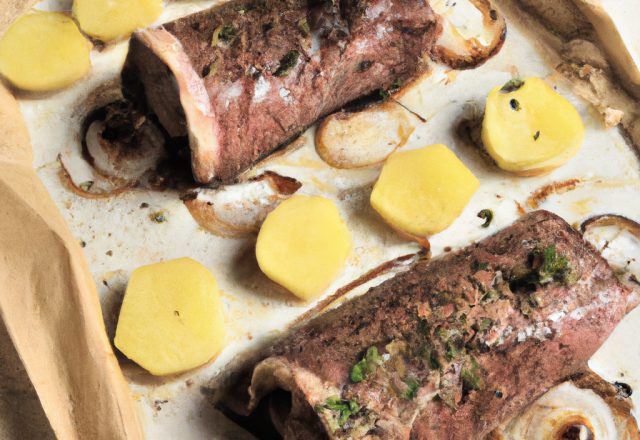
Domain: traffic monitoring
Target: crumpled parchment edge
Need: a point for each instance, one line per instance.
(49, 302)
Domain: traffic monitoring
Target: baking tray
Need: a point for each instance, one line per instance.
(118, 234)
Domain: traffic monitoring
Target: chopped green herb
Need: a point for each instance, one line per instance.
(224, 33)
(485, 324)
(486, 214)
(242, 11)
(425, 354)
(571, 278)
(395, 86)
(346, 408)
(483, 266)
(515, 105)
(412, 387)
(489, 297)
(384, 93)
(444, 298)
(512, 85)
(86, 186)
(343, 417)
(554, 265)
(287, 63)
(366, 366)
(536, 136)
(455, 347)
(304, 25)
(227, 32)
(470, 375)
(335, 403)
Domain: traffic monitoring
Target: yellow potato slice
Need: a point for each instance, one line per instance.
(530, 129)
(171, 318)
(421, 192)
(43, 51)
(108, 19)
(303, 245)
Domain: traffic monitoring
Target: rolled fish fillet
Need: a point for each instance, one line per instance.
(454, 347)
(246, 76)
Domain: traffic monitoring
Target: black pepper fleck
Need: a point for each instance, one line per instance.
(624, 390)
(498, 394)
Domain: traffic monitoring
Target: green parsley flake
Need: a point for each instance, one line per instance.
(486, 214)
(366, 366)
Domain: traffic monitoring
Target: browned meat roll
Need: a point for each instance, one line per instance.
(453, 347)
(242, 78)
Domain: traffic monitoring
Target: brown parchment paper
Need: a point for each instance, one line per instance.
(49, 303)
(10, 10)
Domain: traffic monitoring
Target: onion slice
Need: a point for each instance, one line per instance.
(458, 47)
(611, 220)
(83, 180)
(237, 211)
(586, 408)
(618, 239)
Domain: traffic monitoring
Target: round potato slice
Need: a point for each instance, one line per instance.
(43, 51)
(421, 192)
(530, 129)
(109, 19)
(171, 318)
(303, 245)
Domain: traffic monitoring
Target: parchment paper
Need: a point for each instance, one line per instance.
(49, 304)
(10, 10)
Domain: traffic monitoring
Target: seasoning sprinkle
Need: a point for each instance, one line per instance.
(486, 214)
(536, 136)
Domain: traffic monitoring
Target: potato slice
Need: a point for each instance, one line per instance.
(109, 19)
(368, 137)
(421, 192)
(44, 51)
(171, 318)
(530, 129)
(303, 245)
